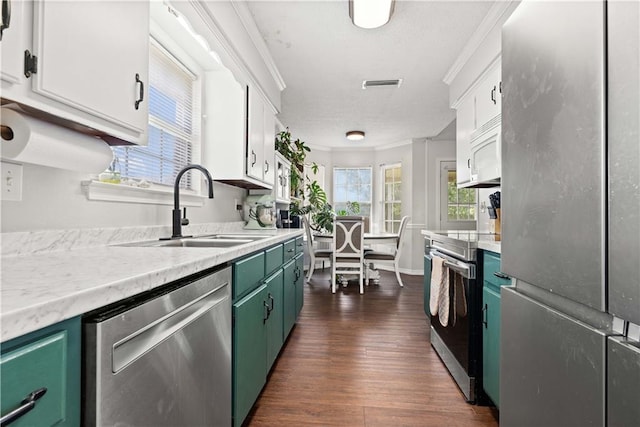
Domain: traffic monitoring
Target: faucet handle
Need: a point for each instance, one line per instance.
(184, 220)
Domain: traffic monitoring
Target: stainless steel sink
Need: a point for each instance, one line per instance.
(191, 243)
(208, 241)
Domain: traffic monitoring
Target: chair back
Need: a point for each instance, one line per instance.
(348, 237)
(403, 225)
(307, 230)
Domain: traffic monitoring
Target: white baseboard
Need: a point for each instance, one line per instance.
(402, 270)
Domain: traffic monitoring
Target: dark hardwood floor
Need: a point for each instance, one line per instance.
(363, 360)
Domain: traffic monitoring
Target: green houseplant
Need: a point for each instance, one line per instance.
(315, 203)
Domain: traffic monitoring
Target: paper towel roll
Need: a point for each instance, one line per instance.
(29, 140)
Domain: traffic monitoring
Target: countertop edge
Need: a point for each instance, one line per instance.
(45, 301)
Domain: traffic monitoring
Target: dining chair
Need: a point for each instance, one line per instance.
(376, 257)
(314, 254)
(348, 249)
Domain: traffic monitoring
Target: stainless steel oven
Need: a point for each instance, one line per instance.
(459, 344)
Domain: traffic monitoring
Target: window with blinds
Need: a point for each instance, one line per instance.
(172, 131)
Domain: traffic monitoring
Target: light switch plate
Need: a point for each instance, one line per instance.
(11, 181)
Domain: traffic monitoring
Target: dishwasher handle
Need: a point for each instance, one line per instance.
(134, 346)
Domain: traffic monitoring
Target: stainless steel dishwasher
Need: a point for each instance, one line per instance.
(163, 359)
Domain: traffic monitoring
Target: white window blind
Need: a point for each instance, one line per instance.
(392, 197)
(172, 97)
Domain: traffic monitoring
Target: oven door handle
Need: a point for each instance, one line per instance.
(468, 271)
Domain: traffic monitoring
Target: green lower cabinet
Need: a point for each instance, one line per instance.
(289, 297)
(249, 351)
(491, 344)
(49, 358)
(427, 285)
(274, 323)
(493, 280)
(299, 271)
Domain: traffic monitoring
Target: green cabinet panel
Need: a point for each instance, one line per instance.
(289, 250)
(247, 274)
(299, 271)
(491, 324)
(249, 351)
(427, 285)
(491, 267)
(48, 358)
(299, 245)
(289, 297)
(491, 344)
(273, 258)
(274, 324)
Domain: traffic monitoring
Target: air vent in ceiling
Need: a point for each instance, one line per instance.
(380, 83)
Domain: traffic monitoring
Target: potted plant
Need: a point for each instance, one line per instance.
(315, 203)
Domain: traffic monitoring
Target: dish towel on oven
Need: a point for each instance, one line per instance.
(439, 290)
(459, 297)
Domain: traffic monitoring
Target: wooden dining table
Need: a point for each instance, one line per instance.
(369, 239)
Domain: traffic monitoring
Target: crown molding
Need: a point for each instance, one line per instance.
(243, 12)
(223, 40)
(490, 20)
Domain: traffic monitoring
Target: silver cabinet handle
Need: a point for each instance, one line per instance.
(501, 275)
(255, 158)
(26, 405)
(267, 169)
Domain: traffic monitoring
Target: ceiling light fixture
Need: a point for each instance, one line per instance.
(355, 135)
(370, 13)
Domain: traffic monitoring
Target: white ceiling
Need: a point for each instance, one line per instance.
(323, 59)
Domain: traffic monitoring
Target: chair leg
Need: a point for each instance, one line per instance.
(311, 268)
(333, 278)
(361, 282)
(396, 265)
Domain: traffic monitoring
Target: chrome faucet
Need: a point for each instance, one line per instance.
(178, 220)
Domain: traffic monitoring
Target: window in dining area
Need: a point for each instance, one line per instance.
(352, 185)
(391, 197)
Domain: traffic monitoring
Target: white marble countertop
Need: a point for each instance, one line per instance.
(42, 288)
(490, 245)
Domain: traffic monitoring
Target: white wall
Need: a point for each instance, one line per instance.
(53, 199)
(437, 151)
(411, 154)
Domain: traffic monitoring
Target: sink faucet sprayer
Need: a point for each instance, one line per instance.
(178, 220)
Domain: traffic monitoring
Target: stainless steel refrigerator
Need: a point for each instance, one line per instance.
(570, 351)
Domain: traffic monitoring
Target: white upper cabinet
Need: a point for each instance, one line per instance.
(91, 66)
(488, 97)
(261, 138)
(282, 182)
(464, 128)
(12, 46)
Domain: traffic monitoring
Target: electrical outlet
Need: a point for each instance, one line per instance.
(11, 181)
(237, 205)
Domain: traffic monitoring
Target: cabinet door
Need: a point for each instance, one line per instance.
(299, 274)
(255, 139)
(289, 297)
(247, 273)
(276, 313)
(464, 128)
(249, 351)
(491, 343)
(89, 54)
(487, 97)
(13, 45)
(269, 145)
(50, 359)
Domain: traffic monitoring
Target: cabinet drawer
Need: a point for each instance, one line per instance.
(247, 274)
(491, 266)
(49, 361)
(273, 258)
(299, 245)
(289, 250)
